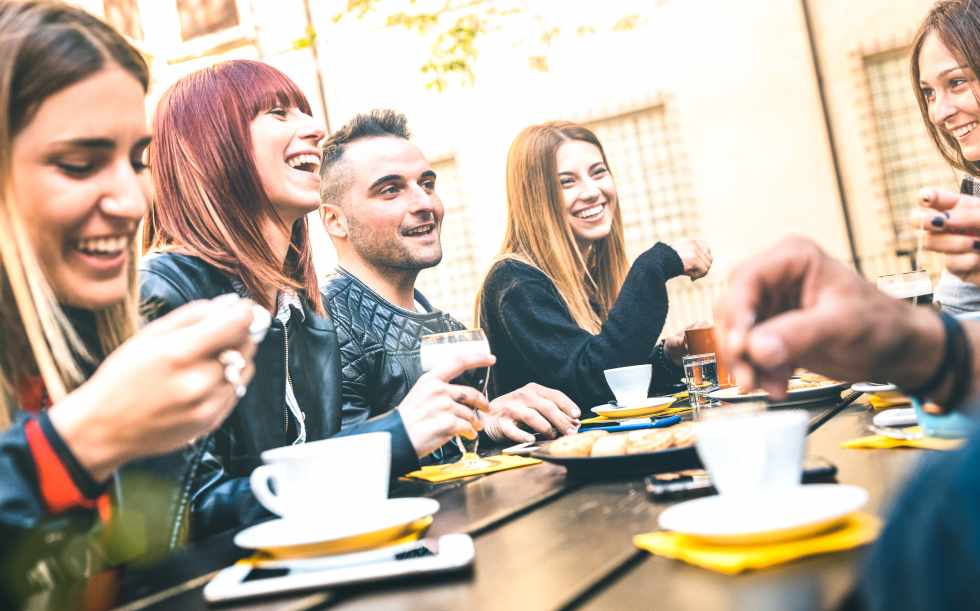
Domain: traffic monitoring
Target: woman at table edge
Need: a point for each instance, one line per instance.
(561, 304)
(73, 366)
(944, 62)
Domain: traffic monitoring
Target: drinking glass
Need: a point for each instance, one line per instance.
(701, 375)
(914, 287)
(442, 347)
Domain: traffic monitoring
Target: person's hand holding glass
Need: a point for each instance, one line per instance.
(441, 348)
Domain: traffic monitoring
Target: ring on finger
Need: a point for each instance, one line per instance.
(234, 364)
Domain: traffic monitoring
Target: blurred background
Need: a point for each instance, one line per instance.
(736, 122)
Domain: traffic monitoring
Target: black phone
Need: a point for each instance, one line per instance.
(689, 484)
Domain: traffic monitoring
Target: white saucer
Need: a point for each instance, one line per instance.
(872, 387)
(896, 417)
(291, 532)
(765, 517)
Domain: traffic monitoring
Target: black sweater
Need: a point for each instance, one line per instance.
(535, 339)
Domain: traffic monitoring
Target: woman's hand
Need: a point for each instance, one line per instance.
(952, 224)
(435, 411)
(161, 389)
(543, 410)
(696, 257)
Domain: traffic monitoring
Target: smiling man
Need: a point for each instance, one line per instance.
(382, 212)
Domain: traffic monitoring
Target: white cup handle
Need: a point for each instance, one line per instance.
(260, 488)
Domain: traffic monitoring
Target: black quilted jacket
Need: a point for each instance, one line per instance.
(379, 346)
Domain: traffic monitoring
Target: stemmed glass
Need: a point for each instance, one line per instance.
(442, 347)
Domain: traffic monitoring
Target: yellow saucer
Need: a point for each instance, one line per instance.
(381, 523)
(404, 533)
(647, 407)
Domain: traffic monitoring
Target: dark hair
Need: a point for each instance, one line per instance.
(60, 45)
(210, 198)
(957, 23)
(377, 123)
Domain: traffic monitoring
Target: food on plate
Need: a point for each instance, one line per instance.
(603, 443)
(579, 444)
(609, 445)
(650, 440)
(801, 380)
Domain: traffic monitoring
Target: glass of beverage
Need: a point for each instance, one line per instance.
(441, 347)
(701, 375)
(701, 340)
(914, 287)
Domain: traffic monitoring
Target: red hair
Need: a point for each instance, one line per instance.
(209, 198)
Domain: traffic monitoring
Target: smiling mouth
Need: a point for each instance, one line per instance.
(306, 162)
(591, 213)
(421, 230)
(963, 130)
(105, 247)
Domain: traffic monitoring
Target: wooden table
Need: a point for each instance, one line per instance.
(547, 542)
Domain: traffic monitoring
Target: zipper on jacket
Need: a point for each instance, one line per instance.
(289, 381)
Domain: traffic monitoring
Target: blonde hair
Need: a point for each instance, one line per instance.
(45, 47)
(538, 233)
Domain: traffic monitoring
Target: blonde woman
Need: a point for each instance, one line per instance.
(74, 373)
(561, 303)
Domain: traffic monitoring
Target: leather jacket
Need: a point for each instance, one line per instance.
(58, 525)
(220, 493)
(379, 346)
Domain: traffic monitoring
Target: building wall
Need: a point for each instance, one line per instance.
(734, 80)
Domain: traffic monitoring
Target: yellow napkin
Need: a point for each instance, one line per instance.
(880, 442)
(886, 400)
(859, 529)
(444, 473)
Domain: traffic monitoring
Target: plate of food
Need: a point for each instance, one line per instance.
(804, 385)
(604, 455)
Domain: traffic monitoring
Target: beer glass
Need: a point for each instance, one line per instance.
(701, 340)
(441, 347)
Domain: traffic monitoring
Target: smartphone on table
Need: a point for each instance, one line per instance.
(690, 484)
(251, 578)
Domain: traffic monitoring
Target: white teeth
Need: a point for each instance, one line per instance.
(305, 159)
(589, 213)
(419, 230)
(103, 245)
(959, 132)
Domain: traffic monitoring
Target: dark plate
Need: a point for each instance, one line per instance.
(613, 467)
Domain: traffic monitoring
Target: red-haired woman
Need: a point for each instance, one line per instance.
(235, 166)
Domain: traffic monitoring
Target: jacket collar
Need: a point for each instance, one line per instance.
(430, 311)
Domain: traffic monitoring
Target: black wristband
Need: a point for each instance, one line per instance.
(957, 361)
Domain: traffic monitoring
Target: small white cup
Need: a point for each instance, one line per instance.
(751, 452)
(629, 384)
(325, 479)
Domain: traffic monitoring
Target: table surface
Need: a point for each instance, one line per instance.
(547, 542)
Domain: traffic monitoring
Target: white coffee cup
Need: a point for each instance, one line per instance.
(325, 478)
(750, 452)
(629, 384)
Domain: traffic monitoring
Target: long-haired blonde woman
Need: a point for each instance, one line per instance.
(561, 304)
(73, 370)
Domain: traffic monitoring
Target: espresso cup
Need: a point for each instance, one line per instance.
(629, 384)
(324, 479)
(747, 450)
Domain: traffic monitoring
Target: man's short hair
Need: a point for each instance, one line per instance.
(377, 123)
